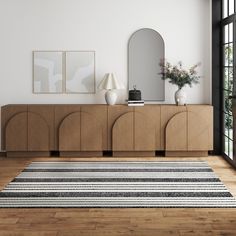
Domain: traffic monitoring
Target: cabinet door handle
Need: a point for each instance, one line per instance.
(234, 96)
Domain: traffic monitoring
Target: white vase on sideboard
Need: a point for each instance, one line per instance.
(180, 97)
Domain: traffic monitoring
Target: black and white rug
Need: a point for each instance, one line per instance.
(117, 184)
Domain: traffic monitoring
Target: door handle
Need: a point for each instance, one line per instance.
(234, 96)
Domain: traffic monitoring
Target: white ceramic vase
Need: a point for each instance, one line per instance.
(180, 97)
(111, 97)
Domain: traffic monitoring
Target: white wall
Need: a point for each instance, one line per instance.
(104, 26)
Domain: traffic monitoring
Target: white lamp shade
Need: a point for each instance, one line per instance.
(110, 82)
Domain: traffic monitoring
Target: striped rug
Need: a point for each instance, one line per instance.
(117, 184)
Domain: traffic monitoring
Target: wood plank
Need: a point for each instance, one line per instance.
(28, 233)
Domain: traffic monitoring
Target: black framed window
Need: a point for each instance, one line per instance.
(228, 70)
(228, 8)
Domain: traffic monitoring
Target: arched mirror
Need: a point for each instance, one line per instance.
(146, 49)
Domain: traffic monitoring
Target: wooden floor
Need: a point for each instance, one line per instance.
(110, 222)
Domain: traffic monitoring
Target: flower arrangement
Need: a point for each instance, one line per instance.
(179, 76)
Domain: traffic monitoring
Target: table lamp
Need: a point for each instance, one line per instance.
(110, 83)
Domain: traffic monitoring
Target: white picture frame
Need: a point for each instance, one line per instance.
(80, 72)
(64, 72)
(47, 72)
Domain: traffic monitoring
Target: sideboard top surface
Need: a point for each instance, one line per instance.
(29, 104)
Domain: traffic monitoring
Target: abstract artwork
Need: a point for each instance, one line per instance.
(80, 72)
(48, 72)
(63, 72)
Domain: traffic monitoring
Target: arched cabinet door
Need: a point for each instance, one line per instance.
(38, 133)
(176, 133)
(123, 133)
(16, 133)
(91, 133)
(69, 133)
(41, 118)
(188, 131)
(144, 133)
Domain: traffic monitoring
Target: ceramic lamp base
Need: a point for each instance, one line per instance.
(110, 97)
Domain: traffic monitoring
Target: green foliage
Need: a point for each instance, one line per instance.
(228, 122)
(229, 55)
(179, 76)
(228, 85)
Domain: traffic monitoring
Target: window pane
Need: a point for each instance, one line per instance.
(231, 7)
(226, 33)
(226, 95)
(231, 149)
(231, 32)
(226, 145)
(230, 78)
(225, 8)
(226, 54)
(226, 125)
(226, 78)
(230, 107)
(231, 136)
(230, 54)
(227, 104)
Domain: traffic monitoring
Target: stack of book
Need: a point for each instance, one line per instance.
(135, 102)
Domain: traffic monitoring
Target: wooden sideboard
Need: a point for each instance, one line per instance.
(89, 130)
